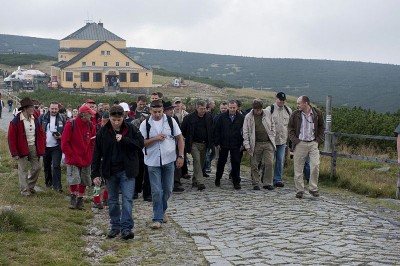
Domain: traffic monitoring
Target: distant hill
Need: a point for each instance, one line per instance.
(368, 85)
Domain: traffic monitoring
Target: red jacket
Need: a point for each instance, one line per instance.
(17, 141)
(77, 143)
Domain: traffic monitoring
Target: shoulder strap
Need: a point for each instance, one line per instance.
(148, 126)
(171, 125)
(272, 109)
(287, 109)
(73, 124)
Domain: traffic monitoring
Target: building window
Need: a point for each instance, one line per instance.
(93, 63)
(83, 63)
(97, 77)
(105, 64)
(85, 76)
(68, 76)
(116, 63)
(122, 77)
(134, 77)
(103, 52)
(127, 64)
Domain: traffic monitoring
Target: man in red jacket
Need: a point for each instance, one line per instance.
(77, 143)
(26, 141)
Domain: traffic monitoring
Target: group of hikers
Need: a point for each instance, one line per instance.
(143, 147)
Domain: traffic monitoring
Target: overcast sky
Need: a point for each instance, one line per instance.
(351, 30)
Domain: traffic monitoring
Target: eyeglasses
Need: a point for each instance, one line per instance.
(156, 106)
(116, 113)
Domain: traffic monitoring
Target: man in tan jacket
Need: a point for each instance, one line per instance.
(259, 142)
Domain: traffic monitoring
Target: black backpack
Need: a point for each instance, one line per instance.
(148, 126)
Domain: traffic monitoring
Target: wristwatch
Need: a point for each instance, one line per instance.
(181, 156)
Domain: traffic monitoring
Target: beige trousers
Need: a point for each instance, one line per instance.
(29, 177)
(300, 154)
(262, 151)
(199, 156)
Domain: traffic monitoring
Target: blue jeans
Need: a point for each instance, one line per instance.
(279, 161)
(162, 183)
(210, 155)
(120, 218)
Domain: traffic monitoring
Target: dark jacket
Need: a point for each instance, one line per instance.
(189, 125)
(229, 134)
(295, 124)
(132, 141)
(17, 141)
(60, 123)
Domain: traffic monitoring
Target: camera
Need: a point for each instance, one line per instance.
(56, 134)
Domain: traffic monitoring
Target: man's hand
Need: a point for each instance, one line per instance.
(97, 181)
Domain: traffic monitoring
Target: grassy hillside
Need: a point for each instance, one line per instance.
(367, 85)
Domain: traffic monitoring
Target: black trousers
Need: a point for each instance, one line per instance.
(235, 163)
(52, 168)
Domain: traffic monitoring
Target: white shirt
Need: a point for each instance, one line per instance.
(30, 127)
(51, 127)
(160, 152)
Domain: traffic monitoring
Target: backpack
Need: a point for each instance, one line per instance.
(286, 108)
(148, 126)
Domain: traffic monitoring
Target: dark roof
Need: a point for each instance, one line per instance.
(58, 64)
(93, 31)
(88, 51)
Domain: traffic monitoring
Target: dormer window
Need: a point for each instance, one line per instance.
(83, 64)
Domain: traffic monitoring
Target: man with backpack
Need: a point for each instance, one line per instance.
(280, 116)
(77, 143)
(160, 157)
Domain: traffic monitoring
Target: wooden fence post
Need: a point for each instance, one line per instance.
(398, 186)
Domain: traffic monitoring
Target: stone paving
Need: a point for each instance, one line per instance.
(264, 227)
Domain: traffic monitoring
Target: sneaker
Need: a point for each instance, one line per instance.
(201, 187)
(206, 175)
(269, 187)
(217, 182)
(166, 218)
(299, 194)
(156, 225)
(256, 188)
(127, 234)
(279, 184)
(314, 193)
(25, 193)
(113, 233)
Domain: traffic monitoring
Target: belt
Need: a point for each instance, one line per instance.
(308, 140)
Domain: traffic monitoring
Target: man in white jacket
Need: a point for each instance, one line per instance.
(259, 142)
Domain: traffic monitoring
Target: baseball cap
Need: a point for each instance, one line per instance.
(90, 101)
(86, 109)
(176, 100)
(281, 96)
(125, 106)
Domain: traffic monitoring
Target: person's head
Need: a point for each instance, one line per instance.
(160, 95)
(168, 108)
(156, 110)
(100, 107)
(91, 104)
(154, 97)
(141, 103)
(232, 107)
(116, 116)
(201, 108)
(106, 107)
(74, 113)
(85, 112)
(105, 117)
(257, 106)
(125, 108)
(280, 99)
(27, 106)
(223, 107)
(303, 103)
(53, 108)
(211, 105)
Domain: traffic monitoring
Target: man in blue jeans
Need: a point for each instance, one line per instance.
(280, 115)
(161, 134)
(116, 151)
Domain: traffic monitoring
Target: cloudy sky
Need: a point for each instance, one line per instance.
(353, 30)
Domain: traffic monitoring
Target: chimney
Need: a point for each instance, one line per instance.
(101, 24)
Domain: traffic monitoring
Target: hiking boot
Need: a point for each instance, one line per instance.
(113, 233)
(105, 202)
(79, 203)
(127, 234)
(269, 187)
(217, 182)
(279, 184)
(237, 186)
(299, 194)
(156, 225)
(201, 187)
(178, 189)
(72, 204)
(314, 193)
(187, 176)
(166, 218)
(256, 188)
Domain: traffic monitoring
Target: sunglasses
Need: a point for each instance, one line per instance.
(116, 113)
(156, 106)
